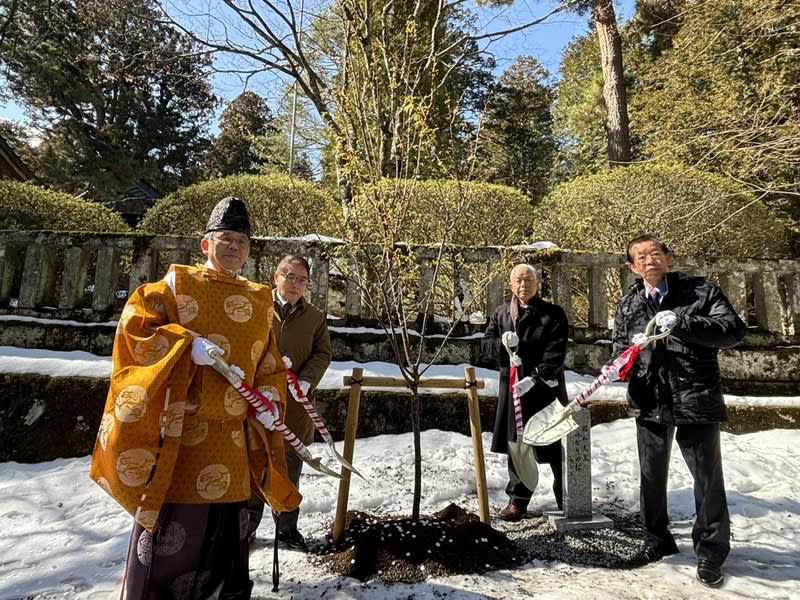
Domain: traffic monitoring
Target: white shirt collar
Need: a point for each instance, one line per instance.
(661, 287)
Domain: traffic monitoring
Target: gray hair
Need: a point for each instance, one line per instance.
(535, 270)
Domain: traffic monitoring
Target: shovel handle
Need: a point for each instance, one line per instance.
(580, 400)
(262, 403)
(297, 393)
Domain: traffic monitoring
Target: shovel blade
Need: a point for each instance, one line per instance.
(549, 425)
(345, 463)
(316, 463)
(524, 463)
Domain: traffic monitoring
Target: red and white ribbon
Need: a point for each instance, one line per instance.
(299, 395)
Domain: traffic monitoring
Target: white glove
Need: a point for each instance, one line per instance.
(639, 339)
(305, 386)
(516, 361)
(523, 386)
(611, 371)
(200, 351)
(666, 319)
(266, 417)
(510, 339)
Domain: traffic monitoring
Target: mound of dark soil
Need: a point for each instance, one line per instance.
(454, 541)
(411, 550)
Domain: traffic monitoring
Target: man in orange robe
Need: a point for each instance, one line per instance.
(176, 447)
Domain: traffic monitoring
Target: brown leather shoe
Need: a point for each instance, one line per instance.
(512, 512)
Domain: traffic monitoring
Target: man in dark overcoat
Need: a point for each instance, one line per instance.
(540, 332)
(675, 392)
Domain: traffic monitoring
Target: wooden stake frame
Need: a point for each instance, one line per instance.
(357, 381)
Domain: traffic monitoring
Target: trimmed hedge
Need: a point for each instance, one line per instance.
(694, 212)
(418, 212)
(278, 205)
(29, 207)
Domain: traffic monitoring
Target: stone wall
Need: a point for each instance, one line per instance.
(87, 278)
(43, 418)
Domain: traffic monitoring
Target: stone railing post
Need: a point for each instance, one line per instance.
(498, 282)
(38, 275)
(598, 296)
(767, 301)
(793, 302)
(577, 467)
(74, 277)
(734, 286)
(320, 273)
(106, 277)
(562, 286)
(10, 259)
(144, 265)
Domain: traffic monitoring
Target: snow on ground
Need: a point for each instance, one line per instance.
(62, 537)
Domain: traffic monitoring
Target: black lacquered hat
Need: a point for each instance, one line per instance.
(229, 214)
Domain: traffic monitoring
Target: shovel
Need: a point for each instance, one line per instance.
(522, 455)
(297, 393)
(262, 403)
(555, 421)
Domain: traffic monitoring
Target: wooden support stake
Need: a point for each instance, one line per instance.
(477, 443)
(347, 452)
(357, 381)
(424, 382)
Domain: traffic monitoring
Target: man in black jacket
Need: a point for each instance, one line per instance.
(674, 391)
(540, 332)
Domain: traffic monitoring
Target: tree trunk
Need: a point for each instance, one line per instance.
(417, 452)
(617, 125)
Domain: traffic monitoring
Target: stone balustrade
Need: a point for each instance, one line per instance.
(87, 277)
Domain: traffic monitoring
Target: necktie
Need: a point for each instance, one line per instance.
(655, 298)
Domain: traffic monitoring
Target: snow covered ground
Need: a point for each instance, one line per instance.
(61, 537)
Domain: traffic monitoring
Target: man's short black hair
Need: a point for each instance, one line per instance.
(645, 238)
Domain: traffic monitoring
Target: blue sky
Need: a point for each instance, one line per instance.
(545, 42)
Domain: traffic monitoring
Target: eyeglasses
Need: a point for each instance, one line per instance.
(292, 278)
(656, 255)
(226, 240)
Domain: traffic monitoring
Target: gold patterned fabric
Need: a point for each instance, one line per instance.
(175, 432)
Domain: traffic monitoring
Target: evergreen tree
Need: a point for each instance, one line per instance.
(578, 112)
(725, 96)
(614, 93)
(118, 95)
(235, 150)
(516, 143)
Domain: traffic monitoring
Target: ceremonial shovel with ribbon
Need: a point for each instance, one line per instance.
(555, 421)
(522, 455)
(261, 403)
(299, 395)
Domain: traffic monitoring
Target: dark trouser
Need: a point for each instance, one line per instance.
(520, 495)
(700, 447)
(195, 549)
(288, 520)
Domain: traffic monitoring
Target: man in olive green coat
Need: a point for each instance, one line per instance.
(302, 334)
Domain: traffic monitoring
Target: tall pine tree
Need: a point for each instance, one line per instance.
(118, 95)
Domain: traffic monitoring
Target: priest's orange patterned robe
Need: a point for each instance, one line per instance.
(175, 432)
